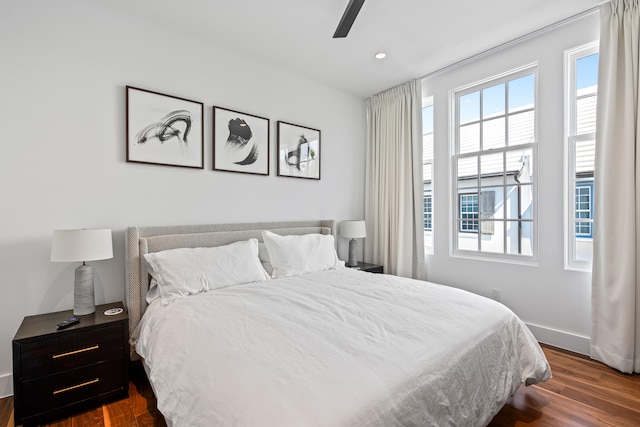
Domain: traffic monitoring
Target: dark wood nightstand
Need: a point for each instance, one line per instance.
(57, 372)
(371, 268)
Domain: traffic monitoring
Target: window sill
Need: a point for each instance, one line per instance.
(528, 261)
(580, 267)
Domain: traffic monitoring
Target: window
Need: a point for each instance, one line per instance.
(469, 213)
(584, 209)
(427, 172)
(427, 212)
(493, 167)
(582, 84)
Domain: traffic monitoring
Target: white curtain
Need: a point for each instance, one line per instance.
(394, 186)
(615, 334)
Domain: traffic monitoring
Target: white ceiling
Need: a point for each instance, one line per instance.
(419, 36)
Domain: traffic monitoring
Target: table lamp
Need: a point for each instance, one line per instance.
(353, 230)
(82, 245)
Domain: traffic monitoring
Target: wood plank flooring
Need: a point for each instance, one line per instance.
(581, 393)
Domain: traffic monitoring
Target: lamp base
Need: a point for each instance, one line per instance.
(84, 301)
(353, 254)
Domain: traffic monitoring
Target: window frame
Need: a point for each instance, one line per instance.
(571, 182)
(455, 95)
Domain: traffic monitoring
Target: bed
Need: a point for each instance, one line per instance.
(320, 344)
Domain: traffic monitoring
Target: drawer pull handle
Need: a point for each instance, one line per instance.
(73, 387)
(57, 356)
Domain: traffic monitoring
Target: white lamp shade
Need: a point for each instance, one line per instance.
(353, 229)
(81, 245)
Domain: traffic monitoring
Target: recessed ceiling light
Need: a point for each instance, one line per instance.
(380, 55)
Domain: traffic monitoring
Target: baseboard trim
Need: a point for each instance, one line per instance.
(6, 385)
(565, 340)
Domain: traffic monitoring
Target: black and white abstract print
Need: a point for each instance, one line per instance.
(163, 129)
(167, 128)
(238, 142)
(298, 151)
(241, 142)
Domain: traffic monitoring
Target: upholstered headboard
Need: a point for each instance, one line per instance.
(142, 240)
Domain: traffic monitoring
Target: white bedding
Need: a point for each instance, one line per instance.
(336, 348)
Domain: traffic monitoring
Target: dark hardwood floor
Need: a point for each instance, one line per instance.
(581, 393)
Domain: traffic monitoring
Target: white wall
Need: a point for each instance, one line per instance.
(63, 71)
(553, 301)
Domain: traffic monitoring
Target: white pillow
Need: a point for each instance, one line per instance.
(263, 254)
(188, 271)
(153, 293)
(293, 255)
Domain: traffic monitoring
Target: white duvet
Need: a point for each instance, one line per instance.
(336, 348)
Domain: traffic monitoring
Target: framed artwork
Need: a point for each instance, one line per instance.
(298, 151)
(240, 142)
(164, 129)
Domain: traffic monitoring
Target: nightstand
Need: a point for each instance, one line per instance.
(371, 268)
(57, 372)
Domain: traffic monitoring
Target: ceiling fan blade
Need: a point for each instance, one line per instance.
(348, 17)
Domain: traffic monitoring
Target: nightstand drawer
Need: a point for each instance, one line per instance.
(71, 387)
(58, 352)
(371, 268)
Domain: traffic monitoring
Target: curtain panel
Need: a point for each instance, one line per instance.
(394, 183)
(615, 332)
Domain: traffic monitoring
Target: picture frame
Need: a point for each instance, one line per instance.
(164, 129)
(241, 142)
(298, 151)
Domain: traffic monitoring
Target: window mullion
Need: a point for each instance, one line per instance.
(479, 183)
(479, 159)
(504, 198)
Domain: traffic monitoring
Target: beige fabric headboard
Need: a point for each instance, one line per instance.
(142, 240)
